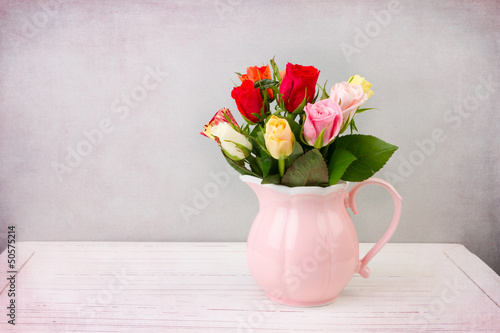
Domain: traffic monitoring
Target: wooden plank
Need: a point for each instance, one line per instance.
(206, 287)
(481, 274)
(22, 255)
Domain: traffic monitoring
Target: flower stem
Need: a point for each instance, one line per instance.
(281, 166)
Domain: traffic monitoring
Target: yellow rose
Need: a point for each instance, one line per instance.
(279, 137)
(356, 79)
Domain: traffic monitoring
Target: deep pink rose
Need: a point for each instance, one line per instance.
(298, 83)
(323, 115)
(350, 97)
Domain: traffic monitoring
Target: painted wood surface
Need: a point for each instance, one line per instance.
(206, 287)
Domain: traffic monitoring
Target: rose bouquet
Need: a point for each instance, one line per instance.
(300, 141)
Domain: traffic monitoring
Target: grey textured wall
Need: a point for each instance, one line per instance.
(102, 101)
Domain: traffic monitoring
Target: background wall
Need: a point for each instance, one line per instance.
(102, 101)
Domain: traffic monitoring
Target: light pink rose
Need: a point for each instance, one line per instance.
(350, 97)
(325, 114)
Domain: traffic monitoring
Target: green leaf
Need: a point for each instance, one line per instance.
(258, 136)
(228, 119)
(255, 164)
(324, 94)
(339, 161)
(353, 127)
(248, 120)
(265, 107)
(265, 84)
(269, 164)
(296, 152)
(244, 150)
(281, 102)
(276, 70)
(315, 97)
(240, 167)
(344, 127)
(371, 153)
(364, 109)
(319, 140)
(294, 126)
(271, 179)
(300, 108)
(245, 128)
(276, 91)
(308, 170)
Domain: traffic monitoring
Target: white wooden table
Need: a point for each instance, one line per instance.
(206, 287)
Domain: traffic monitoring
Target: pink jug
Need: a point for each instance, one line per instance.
(302, 248)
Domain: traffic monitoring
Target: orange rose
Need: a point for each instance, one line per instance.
(255, 74)
(282, 74)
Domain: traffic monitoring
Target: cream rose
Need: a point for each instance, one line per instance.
(235, 144)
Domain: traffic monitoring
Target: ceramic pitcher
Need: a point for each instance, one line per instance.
(303, 248)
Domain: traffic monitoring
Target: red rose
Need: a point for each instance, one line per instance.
(298, 81)
(248, 100)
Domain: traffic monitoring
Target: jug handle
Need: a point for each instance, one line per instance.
(350, 201)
